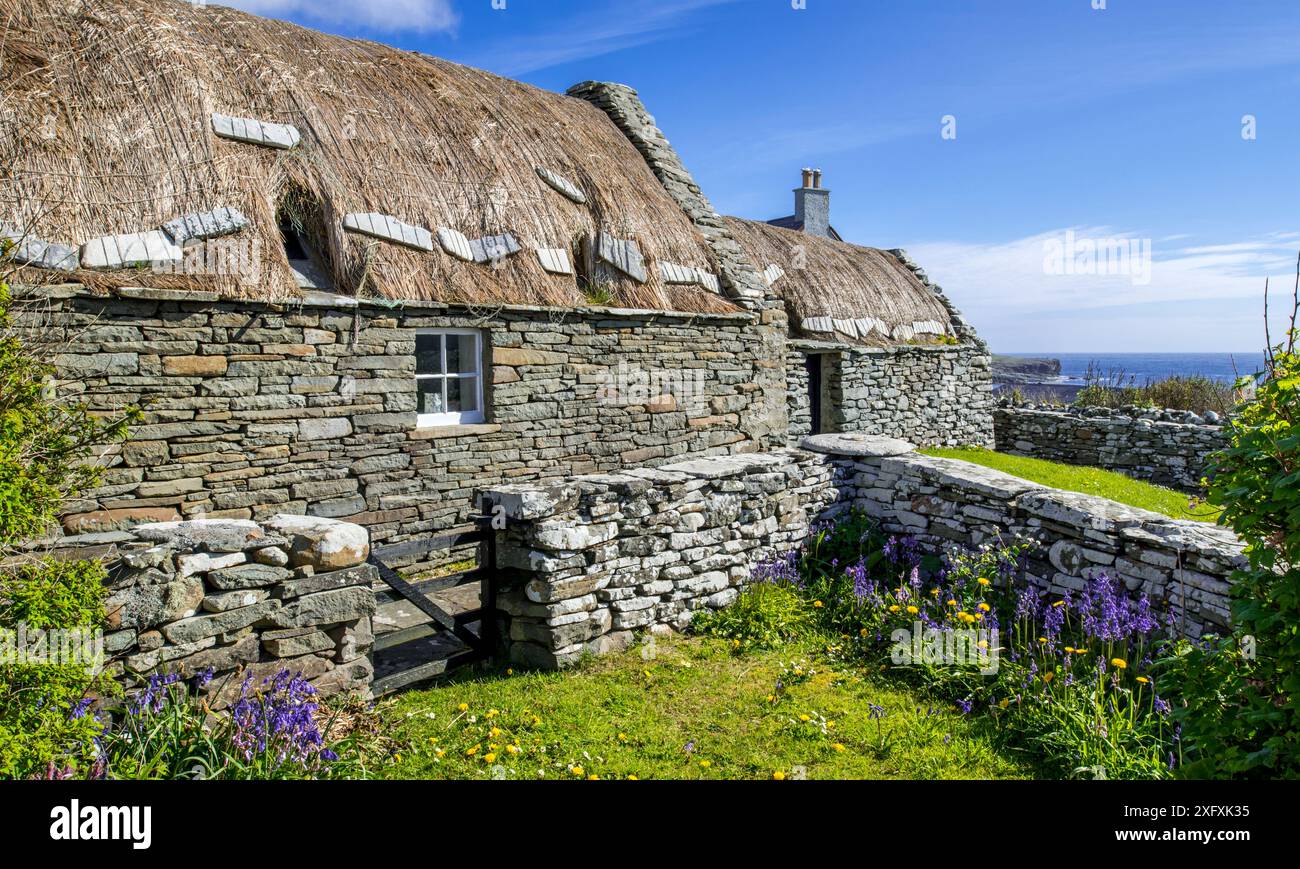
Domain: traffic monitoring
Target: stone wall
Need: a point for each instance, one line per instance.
(1169, 448)
(936, 395)
(597, 558)
(238, 597)
(253, 410)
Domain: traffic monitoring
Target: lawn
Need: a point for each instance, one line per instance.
(689, 708)
(1089, 481)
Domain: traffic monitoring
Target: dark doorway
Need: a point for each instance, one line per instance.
(813, 363)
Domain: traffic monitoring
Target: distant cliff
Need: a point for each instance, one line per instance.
(1019, 369)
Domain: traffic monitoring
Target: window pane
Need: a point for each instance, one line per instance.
(462, 394)
(462, 354)
(428, 354)
(430, 395)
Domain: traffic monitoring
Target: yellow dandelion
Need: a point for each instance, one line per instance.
(632, 777)
(934, 592)
(817, 604)
(593, 777)
(778, 776)
(982, 581)
(1004, 702)
(1059, 603)
(1069, 650)
(512, 749)
(838, 747)
(577, 771)
(1042, 641)
(1142, 680)
(805, 718)
(622, 737)
(492, 713)
(1118, 663)
(470, 752)
(1049, 676)
(863, 633)
(984, 607)
(464, 707)
(912, 610)
(489, 758)
(952, 601)
(982, 644)
(494, 732)
(895, 608)
(706, 763)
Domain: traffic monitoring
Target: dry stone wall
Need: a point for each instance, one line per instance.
(1169, 448)
(596, 559)
(600, 557)
(237, 597)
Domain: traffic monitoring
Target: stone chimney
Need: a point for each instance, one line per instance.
(812, 204)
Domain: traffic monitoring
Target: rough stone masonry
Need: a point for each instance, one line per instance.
(597, 558)
(1168, 448)
(241, 598)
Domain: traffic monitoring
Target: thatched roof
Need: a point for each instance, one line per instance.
(829, 284)
(106, 128)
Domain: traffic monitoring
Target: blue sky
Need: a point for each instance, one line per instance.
(1122, 123)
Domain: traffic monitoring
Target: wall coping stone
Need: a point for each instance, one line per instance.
(851, 444)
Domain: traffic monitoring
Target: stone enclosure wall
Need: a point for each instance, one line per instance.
(934, 395)
(1169, 448)
(239, 597)
(253, 410)
(599, 557)
(596, 558)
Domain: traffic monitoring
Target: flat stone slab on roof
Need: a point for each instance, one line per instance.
(849, 444)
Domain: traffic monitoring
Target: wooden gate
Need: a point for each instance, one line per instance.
(474, 645)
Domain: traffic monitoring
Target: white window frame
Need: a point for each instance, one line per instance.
(426, 420)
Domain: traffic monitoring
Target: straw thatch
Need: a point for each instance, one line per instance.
(105, 128)
(833, 279)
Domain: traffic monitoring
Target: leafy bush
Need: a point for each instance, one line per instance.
(42, 713)
(44, 447)
(1256, 480)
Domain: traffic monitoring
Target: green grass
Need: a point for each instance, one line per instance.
(636, 713)
(1089, 481)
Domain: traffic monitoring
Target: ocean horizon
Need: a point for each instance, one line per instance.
(1225, 367)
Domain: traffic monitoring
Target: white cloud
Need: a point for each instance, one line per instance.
(605, 30)
(383, 16)
(1197, 298)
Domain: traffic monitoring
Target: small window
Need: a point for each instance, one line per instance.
(449, 376)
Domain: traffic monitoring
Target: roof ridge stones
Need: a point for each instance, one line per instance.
(624, 107)
(963, 329)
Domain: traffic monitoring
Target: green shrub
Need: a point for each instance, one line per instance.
(1256, 480)
(42, 716)
(45, 445)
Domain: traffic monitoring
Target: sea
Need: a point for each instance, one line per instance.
(1141, 367)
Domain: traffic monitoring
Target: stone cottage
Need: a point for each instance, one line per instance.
(356, 282)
